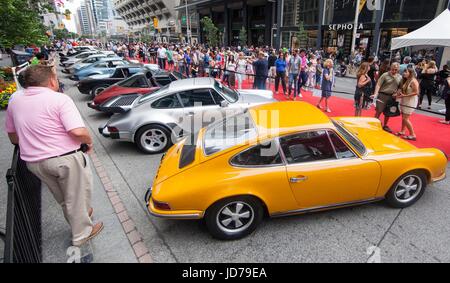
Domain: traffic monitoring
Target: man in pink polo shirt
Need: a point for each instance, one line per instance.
(50, 131)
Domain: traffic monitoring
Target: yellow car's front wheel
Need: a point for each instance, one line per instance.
(234, 218)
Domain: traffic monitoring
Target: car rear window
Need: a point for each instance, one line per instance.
(228, 133)
(147, 97)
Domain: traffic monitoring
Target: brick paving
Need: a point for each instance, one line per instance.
(134, 237)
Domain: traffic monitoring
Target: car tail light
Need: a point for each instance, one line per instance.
(161, 205)
(113, 130)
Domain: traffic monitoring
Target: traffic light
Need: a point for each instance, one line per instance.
(155, 22)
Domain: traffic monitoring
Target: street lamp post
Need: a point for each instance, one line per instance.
(355, 26)
(188, 29)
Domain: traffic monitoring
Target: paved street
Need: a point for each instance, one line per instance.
(417, 234)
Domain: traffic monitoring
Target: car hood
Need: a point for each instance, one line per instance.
(371, 133)
(79, 66)
(252, 96)
(100, 76)
(72, 61)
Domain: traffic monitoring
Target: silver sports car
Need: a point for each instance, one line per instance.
(157, 120)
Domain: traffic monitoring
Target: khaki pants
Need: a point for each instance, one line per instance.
(69, 179)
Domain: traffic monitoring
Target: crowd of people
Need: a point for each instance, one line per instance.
(403, 85)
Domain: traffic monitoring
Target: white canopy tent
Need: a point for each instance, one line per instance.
(436, 33)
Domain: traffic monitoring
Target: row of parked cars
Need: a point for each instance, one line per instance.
(250, 156)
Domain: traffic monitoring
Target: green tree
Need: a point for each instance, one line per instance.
(243, 36)
(64, 34)
(211, 31)
(20, 24)
(302, 35)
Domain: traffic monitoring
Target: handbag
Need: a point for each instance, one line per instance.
(392, 108)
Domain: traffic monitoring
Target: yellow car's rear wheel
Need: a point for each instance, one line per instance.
(407, 190)
(234, 218)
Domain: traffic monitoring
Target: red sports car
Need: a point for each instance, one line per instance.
(140, 84)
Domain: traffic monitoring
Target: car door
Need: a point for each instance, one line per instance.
(323, 171)
(170, 112)
(200, 109)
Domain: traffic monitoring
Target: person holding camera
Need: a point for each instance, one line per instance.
(53, 141)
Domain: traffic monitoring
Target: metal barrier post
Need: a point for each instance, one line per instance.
(23, 219)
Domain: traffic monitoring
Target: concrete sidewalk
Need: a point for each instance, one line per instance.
(111, 245)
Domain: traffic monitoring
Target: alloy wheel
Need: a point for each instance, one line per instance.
(154, 140)
(235, 217)
(408, 188)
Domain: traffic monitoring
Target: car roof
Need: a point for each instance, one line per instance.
(280, 118)
(187, 84)
(96, 55)
(106, 59)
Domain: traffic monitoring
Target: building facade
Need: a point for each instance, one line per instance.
(328, 23)
(140, 15)
(86, 18)
(257, 17)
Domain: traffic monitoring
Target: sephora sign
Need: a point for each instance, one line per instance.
(341, 27)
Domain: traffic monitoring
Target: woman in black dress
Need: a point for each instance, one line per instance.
(427, 84)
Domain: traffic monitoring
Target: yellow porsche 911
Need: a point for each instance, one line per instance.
(283, 159)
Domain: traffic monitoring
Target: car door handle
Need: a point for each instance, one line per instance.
(191, 114)
(298, 179)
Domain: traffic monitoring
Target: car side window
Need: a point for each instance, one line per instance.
(342, 150)
(163, 81)
(197, 97)
(117, 63)
(307, 147)
(102, 65)
(266, 154)
(167, 102)
(141, 83)
(217, 97)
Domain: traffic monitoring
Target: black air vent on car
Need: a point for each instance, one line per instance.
(125, 100)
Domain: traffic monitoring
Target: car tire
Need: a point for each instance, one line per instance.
(407, 190)
(97, 90)
(220, 223)
(153, 139)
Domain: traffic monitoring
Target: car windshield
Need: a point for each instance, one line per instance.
(160, 91)
(228, 133)
(230, 94)
(177, 75)
(355, 142)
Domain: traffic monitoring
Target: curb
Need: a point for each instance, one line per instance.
(134, 237)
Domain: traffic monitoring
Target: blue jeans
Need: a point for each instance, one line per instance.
(260, 83)
(302, 80)
(293, 80)
(162, 63)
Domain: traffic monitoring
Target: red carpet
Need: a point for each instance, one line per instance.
(430, 133)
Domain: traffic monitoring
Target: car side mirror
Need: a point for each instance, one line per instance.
(224, 104)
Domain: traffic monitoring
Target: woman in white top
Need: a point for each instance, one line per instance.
(408, 96)
(241, 69)
(231, 68)
(312, 72)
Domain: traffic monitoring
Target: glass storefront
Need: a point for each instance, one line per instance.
(343, 11)
(411, 10)
(309, 12)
